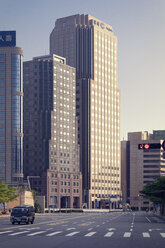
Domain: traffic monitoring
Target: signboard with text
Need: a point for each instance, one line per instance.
(7, 38)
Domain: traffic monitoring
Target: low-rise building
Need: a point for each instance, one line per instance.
(142, 160)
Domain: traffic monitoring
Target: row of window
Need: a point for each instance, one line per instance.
(64, 176)
(64, 183)
(104, 181)
(107, 174)
(64, 190)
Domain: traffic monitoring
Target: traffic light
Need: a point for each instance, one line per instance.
(147, 146)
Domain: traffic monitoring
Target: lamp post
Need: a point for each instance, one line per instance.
(139, 203)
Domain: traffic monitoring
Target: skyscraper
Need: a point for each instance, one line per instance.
(90, 46)
(51, 150)
(11, 109)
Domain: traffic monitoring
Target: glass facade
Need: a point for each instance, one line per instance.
(2, 117)
(17, 124)
(17, 114)
(17, 83)
(17, 154)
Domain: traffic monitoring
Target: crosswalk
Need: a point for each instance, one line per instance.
(70, 233)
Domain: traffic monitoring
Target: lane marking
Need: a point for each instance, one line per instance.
(36, 233)
(157, 229)
(90, 234)
(131, 230)
(163, 235)
(108, 234)
(71, 234)
(127, 235)
(146, 235)
(90, 229)
(148, 220)
(71, 228)
(13, 234)
(111, 229)
(53, 234)
(28, 228)
(6, 232)
(87, 223)
(57, 223)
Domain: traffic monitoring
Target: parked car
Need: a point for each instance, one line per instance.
(22, 214)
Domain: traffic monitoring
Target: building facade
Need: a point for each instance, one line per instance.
(90, 46)
(142, 160)
(51, 155)
(11, 109)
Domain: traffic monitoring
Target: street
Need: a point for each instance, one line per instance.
(83, 230)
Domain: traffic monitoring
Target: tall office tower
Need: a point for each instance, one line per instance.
(11, 109)
(142, 160)
(51, 152)
(90, 46)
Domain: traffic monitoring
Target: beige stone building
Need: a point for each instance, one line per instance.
(142, 160)
(25, 198)
(90, 46)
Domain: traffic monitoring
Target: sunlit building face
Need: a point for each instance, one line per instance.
(90, 45)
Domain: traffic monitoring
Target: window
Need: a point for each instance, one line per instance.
(2, 89)
(2, 72)
(2, 121)
(2, 154)
(2, 64)
(2, 105)
(2, 80)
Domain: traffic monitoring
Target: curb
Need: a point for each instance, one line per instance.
(160, 216)
(4, 215)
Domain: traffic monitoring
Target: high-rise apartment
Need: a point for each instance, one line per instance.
(90, 46)
(11, 109)
(142, 160)
(51, 151)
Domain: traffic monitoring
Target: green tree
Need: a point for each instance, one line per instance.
(156, 192)
(7, 194)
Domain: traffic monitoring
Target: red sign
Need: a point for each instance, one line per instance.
(163, 145)
(146, 146)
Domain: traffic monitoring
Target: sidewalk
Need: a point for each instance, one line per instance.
(159, 216)
(4, 215)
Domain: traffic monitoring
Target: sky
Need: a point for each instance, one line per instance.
(140, 28)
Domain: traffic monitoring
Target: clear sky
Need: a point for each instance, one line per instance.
(140, 28)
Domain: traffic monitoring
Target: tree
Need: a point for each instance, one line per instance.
(7, 194)
(156, 192)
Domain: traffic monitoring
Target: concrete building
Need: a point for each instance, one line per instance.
(90, 46)
(11, 109)
(142, 160)
(51, 151)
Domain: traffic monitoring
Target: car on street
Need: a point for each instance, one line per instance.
(24, 213)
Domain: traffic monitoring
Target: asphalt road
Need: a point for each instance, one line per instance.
(86, 230)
